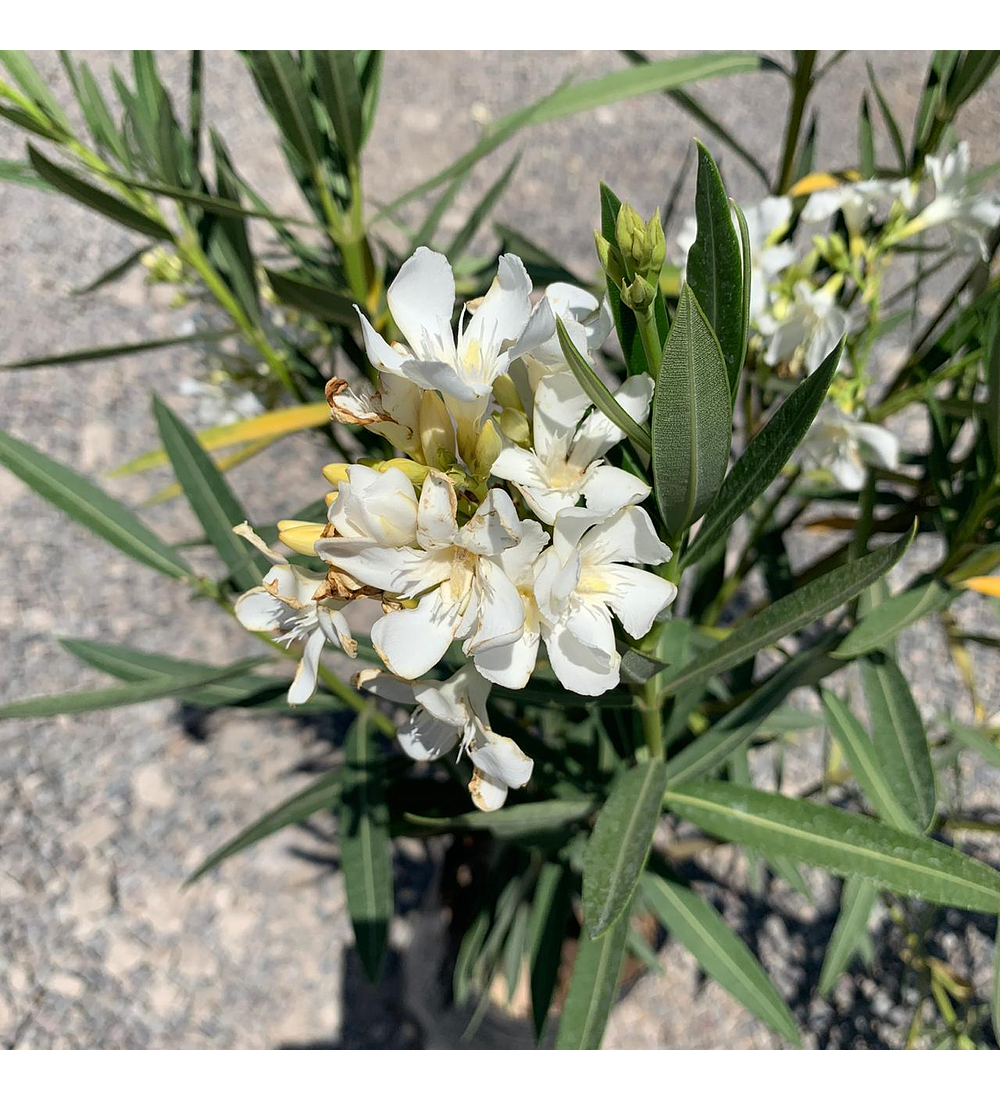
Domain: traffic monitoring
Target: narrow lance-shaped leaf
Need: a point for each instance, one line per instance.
(715, 266)
(481, 211)
(512, 821)
(719, 951)
(849, 932)
(592, 989)
(84, 502)
(746, 292)
(619, 845)
(992, 364)
(101, 201)
(114, 351)
(857, 746)
(692, 418)
(337, 79)
(122, 695)
(847, 844)
(765, 456)
(791, 613)
(880, 625)
(550, 910)
(326, 303)
(892, 127)
(900, 738)
(976, 740)
(211, 499)
(596, 390)
(365, 853)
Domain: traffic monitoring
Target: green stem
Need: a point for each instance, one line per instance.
(652, 719)
(802, 85)
(650, 336)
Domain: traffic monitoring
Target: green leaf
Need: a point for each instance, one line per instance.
(974, 739)
(322, 302)
(509, 822)
(27, 77)
(715, 265)
(719, 951)
(571, 99)
(323, 794)
(592, 989)
(541, 265)
(861, 756)
(15, 171)
(765, 457)
(746, 262)
(692, 418)
(638, 667)
(158, 687)
(481, 211)
(995, 993)
(365, 851)
(626, 325)
(851, 929)
(844, 843)
(211, 499)
(337, 80)
(900, 738)
(550, 910)
(619, 845)
(992, 365)
(596, 390)
(800, 608)
(134, 665)
(113, 351)
(84, 502)
(884, 622)
(98, 200)
(892, 127)
(113, 273)
(279, 81)
(866, 141)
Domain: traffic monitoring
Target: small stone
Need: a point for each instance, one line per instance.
(93, 832)
(122, 956)
(151, 788)
(68, 985)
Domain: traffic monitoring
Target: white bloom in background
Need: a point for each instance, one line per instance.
(858, 201)
(453, 712)
(968, 215)
(512, 663)
(846, 447)
(807, 328)
(583, 578)
(422, 300)
(459, 589)
(566, 462)
(284, 605)
(767, 221)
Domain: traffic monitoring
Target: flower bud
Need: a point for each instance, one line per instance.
(488, 447)
(638, 295)
(514, 425)
(437, 433)
(609, 258)
(415, 471)
(657, 248)
(630, 232)
(336, 472)
(300, 536)
(506, 393)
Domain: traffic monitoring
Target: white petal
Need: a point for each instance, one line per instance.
(421, 300)
(245, 531)
(627, 536)
(578, 667)
(412, 641)
(636, 596)
(848, 470)
(517, 561)
(547, 504)
(823, 204)
(436, 374)
(510, 665)
(436, 524)
(607, 489)
(517, 465)
(881, 442)
(540, 329)
(258, 610)
(424, 737)
(400, 570)
(499, 614)
(380, 353)
(304, 685)
(336, 629)
(383, 685)
(495, 527)
(559, 404)
(504, 312)
(598, 434)
(499, 765)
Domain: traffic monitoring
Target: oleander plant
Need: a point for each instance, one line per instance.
(574, 510)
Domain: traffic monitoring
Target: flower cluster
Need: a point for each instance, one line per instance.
(504, 533)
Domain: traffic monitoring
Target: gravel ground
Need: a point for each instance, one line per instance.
(102, 815)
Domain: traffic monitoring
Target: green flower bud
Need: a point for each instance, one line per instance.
(638, 295)
(609, 258)
(488, 447)
(506, 393)
(514, 425)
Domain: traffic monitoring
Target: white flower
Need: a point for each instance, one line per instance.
(588, 324)
(809, 327)
(285, 604)
(582, 578)
(454, 712)
(379, 506)
(566, 462)
(857, 201)
(421, 300)
(967, 215)
(767, 221)
(845, 446)
(458, 589)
